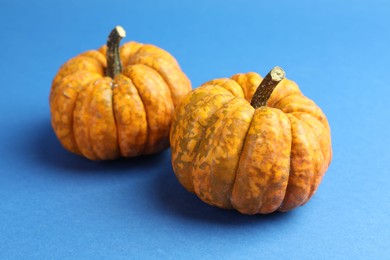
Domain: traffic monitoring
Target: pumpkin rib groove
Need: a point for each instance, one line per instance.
(289, 172)
(196, 150)
(115, 119)
(72, 125)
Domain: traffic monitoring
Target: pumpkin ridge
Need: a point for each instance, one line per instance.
(73, 109)
(289, 173)
(267, 187)
(75, 64)
(170, 87)
(284, 89)
(182, 154)
(69, 87)
(306, 105)
(260, 159)
(242, 87)
(133, 72)
(80, 111)
(272, 177)
(277, 104)
(126, 51)
(302, 201)
(239, 159)
(312, 185)
(154, 55)
(54, 88)
(196, 149)
(310, 126)
(89, 117)
(226, 84)
(89, 126)
(245, 80)
(103, 129)
(119, 125)
(146, 111)
(324, 159)
(95, 54)
(166, 82)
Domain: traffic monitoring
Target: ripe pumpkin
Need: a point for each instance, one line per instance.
(116, 101)
(256, 145)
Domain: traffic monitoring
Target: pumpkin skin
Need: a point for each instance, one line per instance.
(103, 118)
(257, 161)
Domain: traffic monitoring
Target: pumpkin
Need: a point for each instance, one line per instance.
(116, 101)
(252, 144)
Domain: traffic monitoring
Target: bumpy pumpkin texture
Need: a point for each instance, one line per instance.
(256, 160)
(104, 111)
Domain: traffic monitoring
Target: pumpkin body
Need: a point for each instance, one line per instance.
(104, 118)
(254, 160)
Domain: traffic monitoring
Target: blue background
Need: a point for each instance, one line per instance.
(56, 205)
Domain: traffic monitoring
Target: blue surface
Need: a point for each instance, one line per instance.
(55, 205)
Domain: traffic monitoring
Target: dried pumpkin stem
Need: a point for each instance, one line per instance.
(114, 64)
(267, 86)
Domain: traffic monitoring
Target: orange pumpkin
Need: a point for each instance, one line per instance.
(117, 101)
(256, 145)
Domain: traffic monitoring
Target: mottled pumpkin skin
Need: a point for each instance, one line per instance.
(128, 115)
(254, 160)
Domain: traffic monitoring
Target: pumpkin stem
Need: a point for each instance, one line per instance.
(114, 64)
(267, 86)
